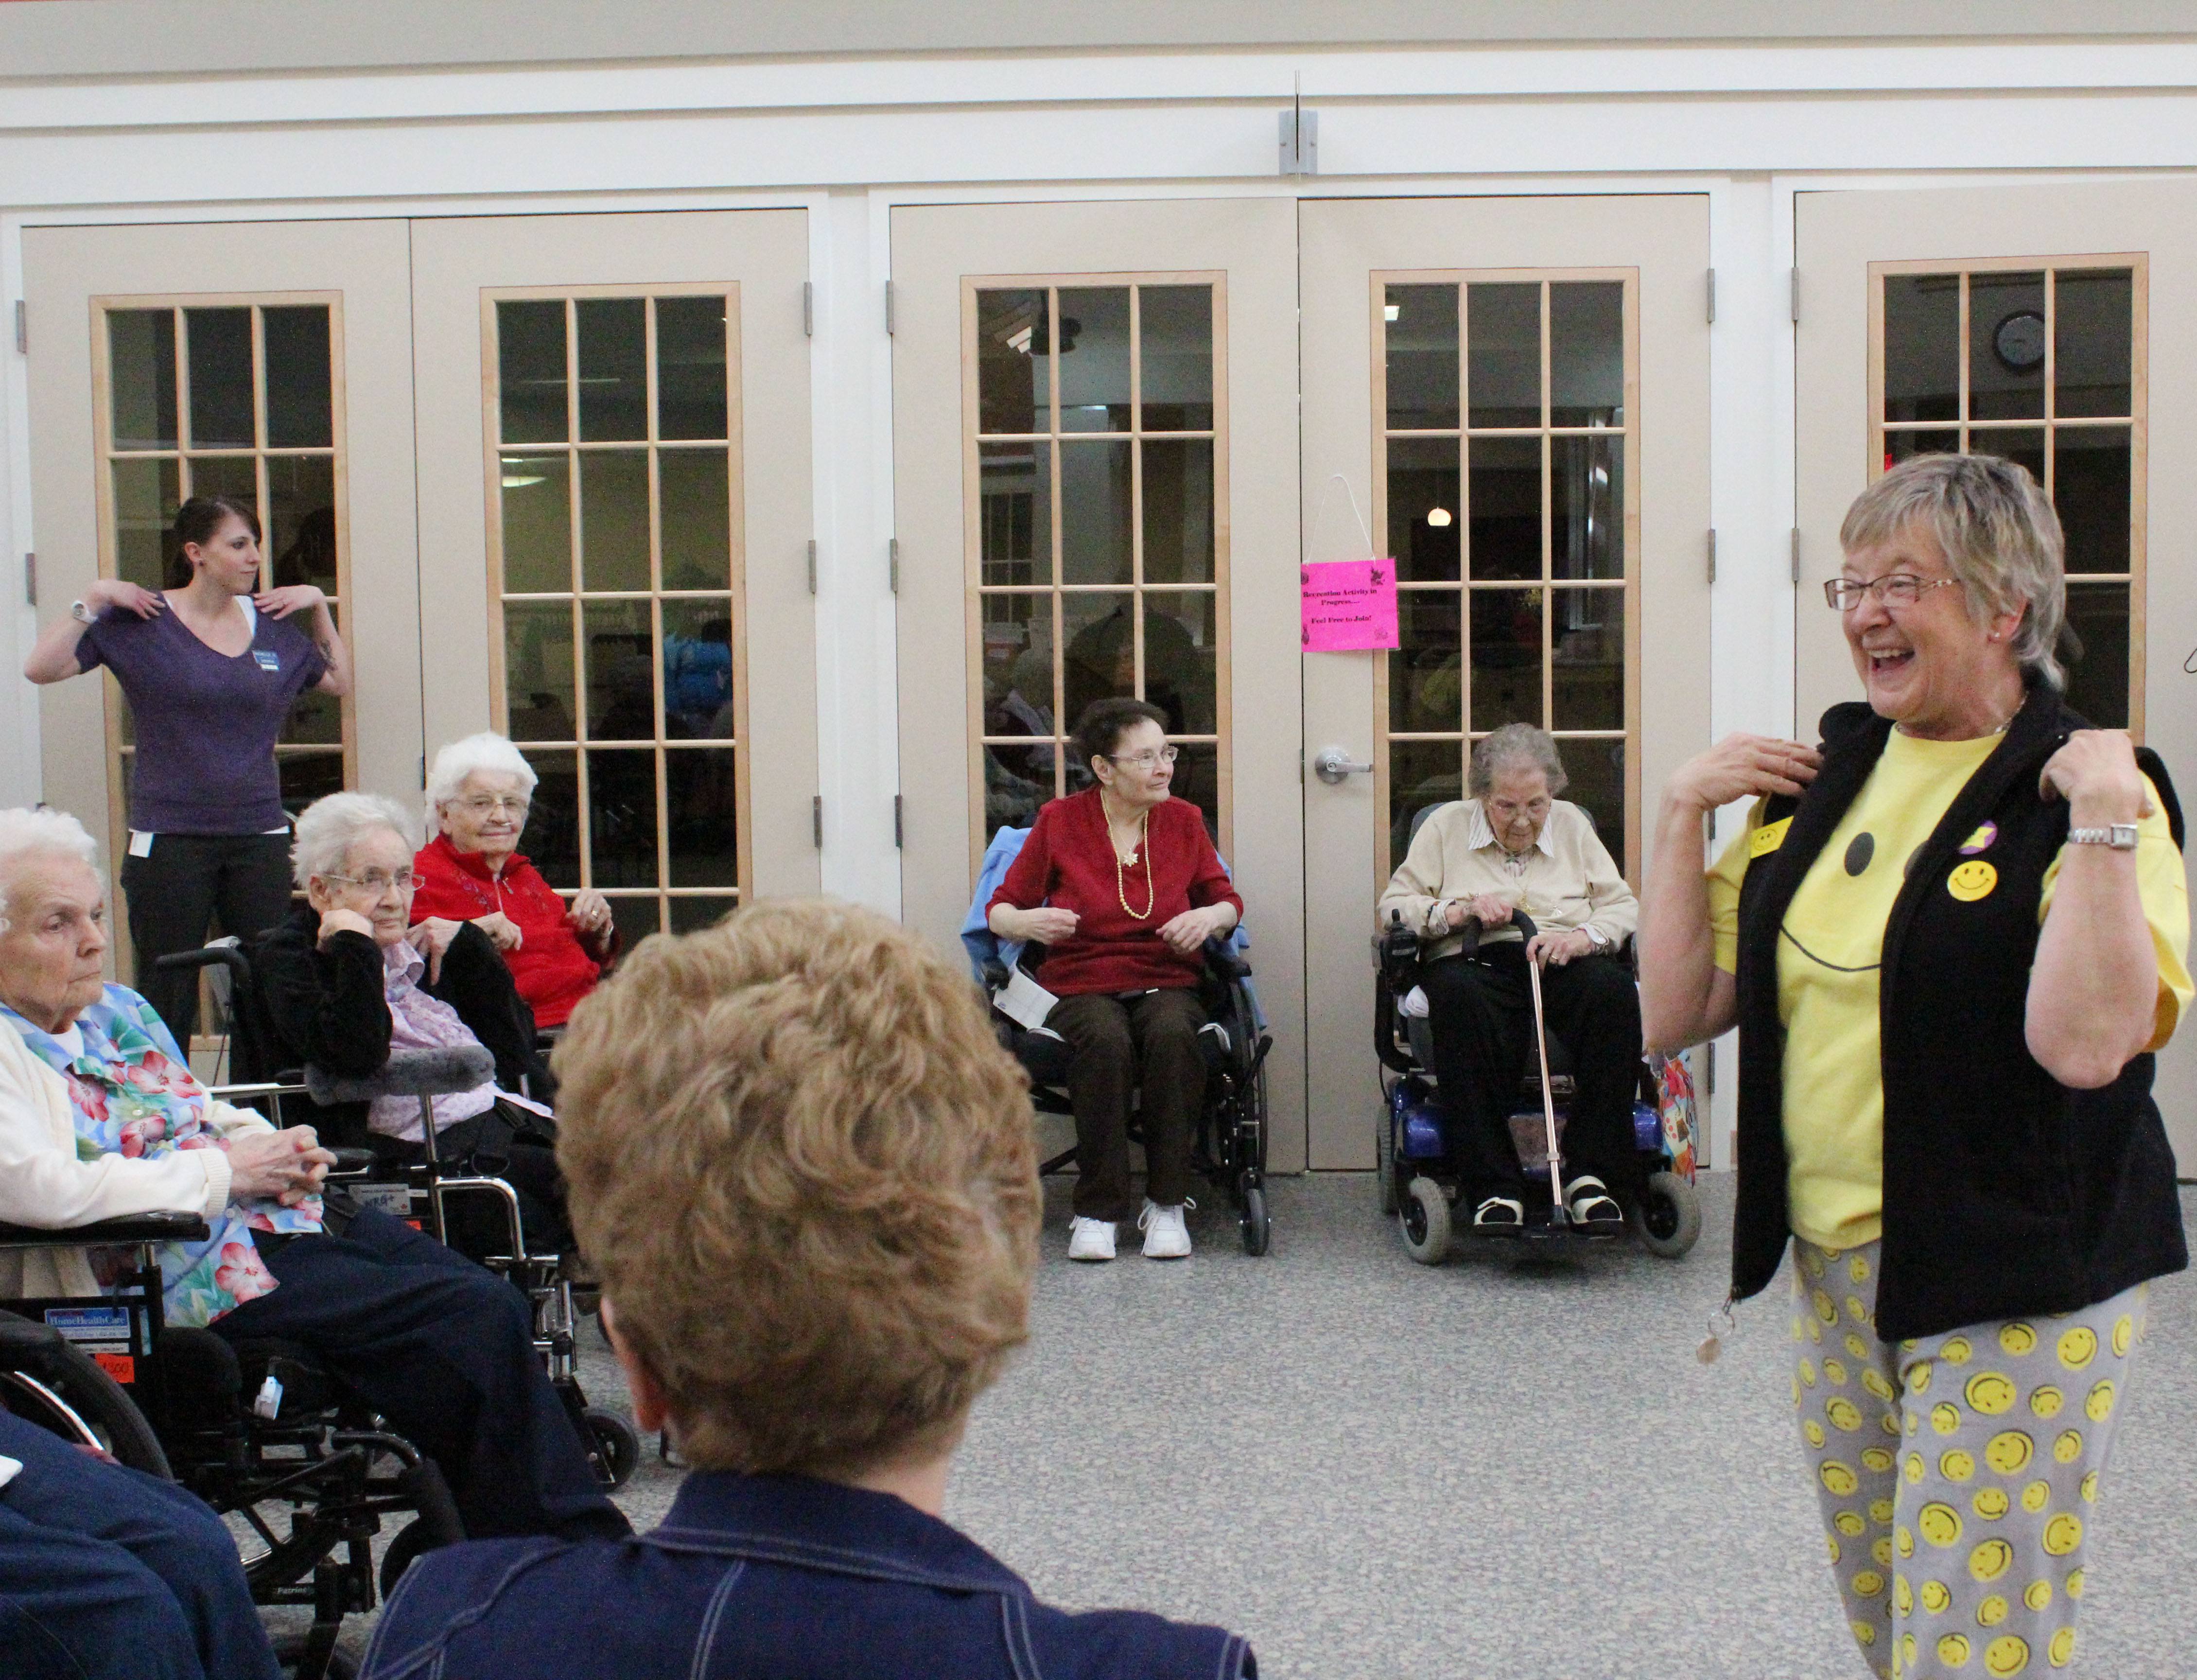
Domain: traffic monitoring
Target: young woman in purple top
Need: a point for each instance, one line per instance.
(212, 667)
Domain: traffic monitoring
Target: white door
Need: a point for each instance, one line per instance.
(269, 360)
(1094, 423)
(615, 511)
(1515, 392)
(2032, 322)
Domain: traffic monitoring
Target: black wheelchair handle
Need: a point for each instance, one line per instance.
(205, 956)
(351, 1162)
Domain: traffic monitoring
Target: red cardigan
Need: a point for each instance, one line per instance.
(1067, 862)
(551, 968)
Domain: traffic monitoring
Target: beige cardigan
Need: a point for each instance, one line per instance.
(44, 1184)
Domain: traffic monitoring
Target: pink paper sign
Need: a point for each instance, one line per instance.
(1348, 604)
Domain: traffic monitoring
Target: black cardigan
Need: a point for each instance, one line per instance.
(2005, 1193)
(326, 1008)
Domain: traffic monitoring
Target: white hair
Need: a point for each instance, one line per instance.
(28, 833)
(487, 751)
(330, 828)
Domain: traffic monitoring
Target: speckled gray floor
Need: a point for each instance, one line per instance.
(1375, 1469)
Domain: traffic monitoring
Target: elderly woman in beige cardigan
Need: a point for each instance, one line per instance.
(99, 1117)
(1513, 846)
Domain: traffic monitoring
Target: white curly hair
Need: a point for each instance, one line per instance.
(31, 833)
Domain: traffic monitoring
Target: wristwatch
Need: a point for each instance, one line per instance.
(2120, 836)
(82, 614)
(1595, 936)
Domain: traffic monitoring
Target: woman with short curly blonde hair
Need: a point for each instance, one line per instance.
(805, 1170)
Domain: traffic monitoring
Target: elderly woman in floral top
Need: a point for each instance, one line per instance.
(101, 1118)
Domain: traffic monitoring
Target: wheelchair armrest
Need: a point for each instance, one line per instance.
(106, 1233)
(995, 973)
(225, 954)
(408, 1073)
(1223, 963)
(351, 1163)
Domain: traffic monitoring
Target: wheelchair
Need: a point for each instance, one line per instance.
(305, 1474)
(1228, 1150)
(419, 1193)
(1417, 1161)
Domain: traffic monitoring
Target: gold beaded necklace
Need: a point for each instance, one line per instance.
(1121, 882)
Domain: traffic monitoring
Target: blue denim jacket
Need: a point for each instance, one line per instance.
(782, 1576)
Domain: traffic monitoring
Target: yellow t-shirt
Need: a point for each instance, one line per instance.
(1827, 956)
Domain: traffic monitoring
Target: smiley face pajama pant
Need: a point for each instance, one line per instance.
(1958, 1474)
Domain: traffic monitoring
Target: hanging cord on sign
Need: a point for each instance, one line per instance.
(1320, 507)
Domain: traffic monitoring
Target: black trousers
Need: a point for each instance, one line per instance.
(509, 1142)
(180, 888)
(445, 1351)
(1482, 1014)
(1146, 1044)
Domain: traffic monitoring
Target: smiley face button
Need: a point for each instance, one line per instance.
(1972, 880)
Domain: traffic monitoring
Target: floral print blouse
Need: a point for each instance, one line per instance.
(134, 1095)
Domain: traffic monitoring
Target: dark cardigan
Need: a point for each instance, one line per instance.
(2005, 1193)
(327, 1009)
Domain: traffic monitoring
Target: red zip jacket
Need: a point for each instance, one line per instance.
(553, 970)
(1067, 862)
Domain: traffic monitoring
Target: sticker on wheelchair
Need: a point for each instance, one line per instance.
(101, 1332)
(394, 1200)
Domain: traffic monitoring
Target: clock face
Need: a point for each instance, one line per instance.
(2019, 341)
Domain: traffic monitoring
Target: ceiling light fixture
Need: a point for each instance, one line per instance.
(1438, 517)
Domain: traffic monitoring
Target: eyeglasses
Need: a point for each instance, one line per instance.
(1147, 759)
(1898, 588)
(377, 883)
(488, 805)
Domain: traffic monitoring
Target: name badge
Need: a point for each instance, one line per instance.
(1768, 839)
(267, 661)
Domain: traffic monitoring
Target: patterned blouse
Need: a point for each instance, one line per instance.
(134, 1095)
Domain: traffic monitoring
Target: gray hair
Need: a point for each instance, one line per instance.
(330, 828)
(27, 833)
(487, 751)
(1999, 535)
(1515, 744)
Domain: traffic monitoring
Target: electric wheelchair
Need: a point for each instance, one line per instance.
(1417, 1157)
(1229, 1149)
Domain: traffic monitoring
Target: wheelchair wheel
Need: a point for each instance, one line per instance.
(616, 1448)
(1384, 1161)
(1424, 1216)
(290, 1653)
(415, 1539)
(46, 1380)
(1667, 1217)
(1257, 1231)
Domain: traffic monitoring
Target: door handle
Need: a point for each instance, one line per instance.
(1334, 766)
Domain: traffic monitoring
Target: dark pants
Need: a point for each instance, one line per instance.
(108, 1573)
(1482, 1015)
(478, 1226)
(1146, 1043)
(178, 892)
(445, 1351)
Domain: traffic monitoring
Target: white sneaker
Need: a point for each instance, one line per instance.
(1166, 1236)
(1092, 1239)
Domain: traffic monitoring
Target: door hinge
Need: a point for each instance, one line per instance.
(888, 308)
(1712, 554)
(1796, 297)
(899, 832)
(892, 563)
(807, 309)
(816, 820)
(1711, 1081)
(812, 565)
(423, 772)
(1712, 297)
(1796, 557)
(22, 327)
(30, 579)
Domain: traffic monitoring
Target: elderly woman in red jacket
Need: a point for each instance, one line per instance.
(1123, 884)
(473, 870)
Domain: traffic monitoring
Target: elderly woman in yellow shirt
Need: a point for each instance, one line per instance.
(1514, 845)
(1952, 936)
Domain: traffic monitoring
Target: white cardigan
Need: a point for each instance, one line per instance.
(44, 1185)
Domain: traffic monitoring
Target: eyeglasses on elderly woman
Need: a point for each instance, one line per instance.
(1898, 588)
(377, 881)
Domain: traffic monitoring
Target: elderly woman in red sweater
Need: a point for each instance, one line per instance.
(1123, 886)
(473, 870)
